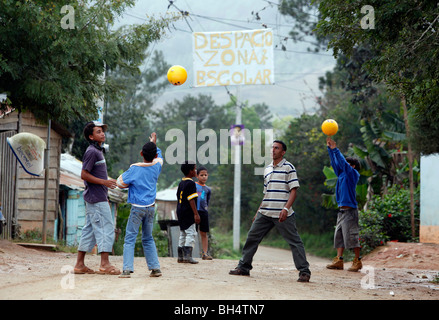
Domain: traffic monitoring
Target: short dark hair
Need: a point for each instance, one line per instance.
(199, 169)
(284, 146)
(355, 162)
(89, 126)
(187, 167)
(149, 151)
(88, 130)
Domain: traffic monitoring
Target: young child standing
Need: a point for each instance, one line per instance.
(346, 233)
(141, 181)
(99, 224)
(203, 199)
(187, 213)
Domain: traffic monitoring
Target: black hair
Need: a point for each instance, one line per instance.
(187, 167)
(284, 146)
(89, 126)
(149, 151)
(355, 162)
(88, 130)
(201, 169)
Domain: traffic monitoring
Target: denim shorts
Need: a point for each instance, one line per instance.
(98, 229)
(347, 230)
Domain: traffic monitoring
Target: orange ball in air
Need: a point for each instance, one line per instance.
(177, 75)
(329, 127)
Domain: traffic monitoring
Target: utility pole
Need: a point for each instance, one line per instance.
(237, 188)
(46, 181)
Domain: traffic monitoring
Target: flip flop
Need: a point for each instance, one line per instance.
(84, 270)
(110, 270)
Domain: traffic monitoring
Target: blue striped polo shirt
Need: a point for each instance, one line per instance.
(278, 181)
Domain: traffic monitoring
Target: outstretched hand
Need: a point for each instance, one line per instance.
(330, 143)
(153, 137)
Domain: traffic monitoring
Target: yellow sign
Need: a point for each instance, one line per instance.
(233, 58)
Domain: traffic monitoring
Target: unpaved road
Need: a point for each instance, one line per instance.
(36, 274)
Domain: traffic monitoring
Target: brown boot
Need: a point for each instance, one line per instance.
(356, 265)
(337, 264)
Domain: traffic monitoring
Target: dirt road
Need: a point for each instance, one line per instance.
(35, 274)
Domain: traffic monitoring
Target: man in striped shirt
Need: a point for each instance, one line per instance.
(280, 189)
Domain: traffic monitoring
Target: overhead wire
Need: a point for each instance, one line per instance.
(232, 97)
(239, 26)
(186, 15)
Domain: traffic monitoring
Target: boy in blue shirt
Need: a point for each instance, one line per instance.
(347, 230)
(141, 179)
(203, 200)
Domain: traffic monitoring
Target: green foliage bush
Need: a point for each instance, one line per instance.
(388, 219)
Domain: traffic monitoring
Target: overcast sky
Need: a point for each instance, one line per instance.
(296, 71)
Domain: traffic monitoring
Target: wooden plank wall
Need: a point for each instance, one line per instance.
(30, 189)
(8, 175)
(8, 172)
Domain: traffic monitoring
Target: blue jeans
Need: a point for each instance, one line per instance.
(144, 217)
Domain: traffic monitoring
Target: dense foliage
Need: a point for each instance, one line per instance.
(57, 71)
(404, 38)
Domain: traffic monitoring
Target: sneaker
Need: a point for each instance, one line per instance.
(337, 264)
(239, 272)
(304, 277)
(206, 256)
(125, 274)
(155, 273)
(356, 265)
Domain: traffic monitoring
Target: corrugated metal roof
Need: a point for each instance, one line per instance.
(70, 176)
(70, 180)
(167, 195)
(70, 164)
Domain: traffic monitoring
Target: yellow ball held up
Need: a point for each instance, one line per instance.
(177, 75)
(329, 127)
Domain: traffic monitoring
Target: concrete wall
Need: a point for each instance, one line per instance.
(429, 227)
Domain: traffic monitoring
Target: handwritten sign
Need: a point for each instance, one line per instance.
(233, 58)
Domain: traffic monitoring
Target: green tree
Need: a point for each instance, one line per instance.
(305, 16)
(177, 115)
(57, 72)
(129, 118)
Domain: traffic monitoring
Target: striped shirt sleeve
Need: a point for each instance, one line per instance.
(292, 180)
(192, 196)
(191, 191)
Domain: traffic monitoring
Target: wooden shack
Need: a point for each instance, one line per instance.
(21, 194)
(166, 201)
